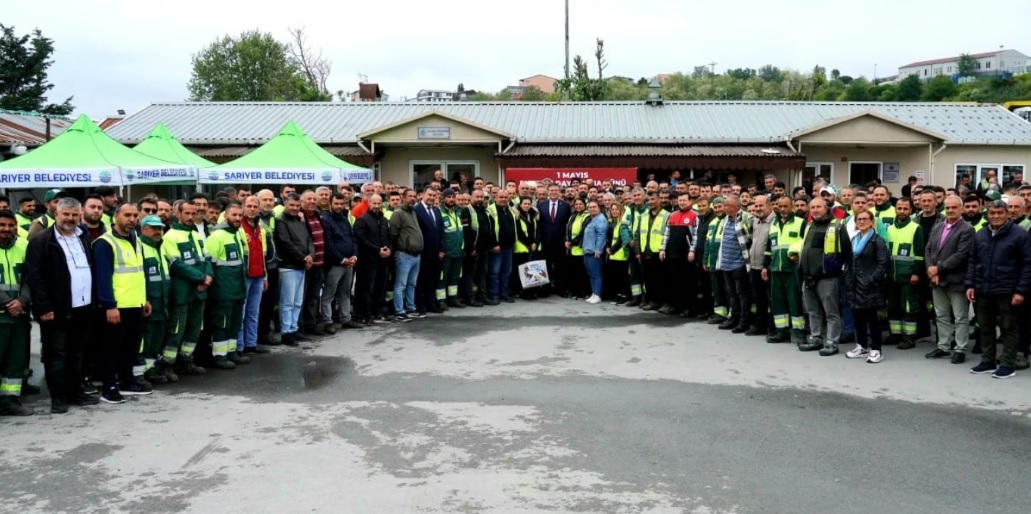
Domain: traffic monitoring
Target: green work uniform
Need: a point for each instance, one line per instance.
(228, 254)
(14, 330)
(188, 267)
(155, 268)
(906, 250)
(454, 243)
(785, 287)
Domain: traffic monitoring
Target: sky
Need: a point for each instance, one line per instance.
(121, 54)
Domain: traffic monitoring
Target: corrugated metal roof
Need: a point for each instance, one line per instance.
(239, 151)
(650, 151)
(231, 123)
(29, 128)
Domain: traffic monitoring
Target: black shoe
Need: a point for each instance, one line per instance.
(716, 320)
(269, 341)
(189, 368)
(11, 406)
(958, 357)
(435, 309)
(728, 325)
(810, 346)
(739, 330)
(755, 331)
(417, 314)
(402, 318)
(475, 303)
(906, 344)
(83, 399)
(455, 304)
(288, 340)
(238, 358)
(58, 406)
(134, 388)
(256, 349)
(111, 395)
(493, 302)
(937, 353)
(507, 299)
(315, 331)
(778, 338)
(89, 387)
(848, 337)
(27, 388)
(829, 350)
(223, 362)
(635, 302)
(301, 338)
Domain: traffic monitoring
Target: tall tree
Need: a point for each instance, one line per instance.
(24, 61)
(580, 87)
(940, 88)
(967, 66)
(252, 67)
(532, 94)
(314, 68)
(910, 89)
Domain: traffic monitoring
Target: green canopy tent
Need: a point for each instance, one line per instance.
(160, 144)
(289, 157)
(82, 156)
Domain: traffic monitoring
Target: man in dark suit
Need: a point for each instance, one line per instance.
(58, 264)
(554, 214)
(947, 255)
(432, 227)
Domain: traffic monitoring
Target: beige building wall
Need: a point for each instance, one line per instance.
(945, 163)
(910, 159)
(870, 130)
(396, 163)
(460, 132)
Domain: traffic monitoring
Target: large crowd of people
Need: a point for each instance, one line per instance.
(129, 295)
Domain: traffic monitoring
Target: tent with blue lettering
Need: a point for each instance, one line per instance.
(291, 157)
(160, 144)
(82, 156)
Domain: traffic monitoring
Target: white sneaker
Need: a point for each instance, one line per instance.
(875, 357)
(858, 353)
(594, 299)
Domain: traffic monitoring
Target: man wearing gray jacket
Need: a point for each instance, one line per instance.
(947, 254)
(762, 322)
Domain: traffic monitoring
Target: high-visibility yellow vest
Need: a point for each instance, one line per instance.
(619, 251)
(650, 230)
(24, 222)
(783, 237)
(886, 215)
(128, 283)
(492, 212)
(901, 250)
(576, 226)
(529, 230)
(11, 261)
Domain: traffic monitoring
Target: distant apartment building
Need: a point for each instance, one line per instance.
(543, 82)
(998, 62)
(367, 92)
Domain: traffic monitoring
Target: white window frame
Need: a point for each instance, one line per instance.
(817, 164)
(444, 163)
(976, 179)
(880, 170)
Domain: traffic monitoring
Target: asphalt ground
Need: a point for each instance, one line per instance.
(546, 406)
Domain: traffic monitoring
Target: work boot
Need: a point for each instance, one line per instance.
(236, 358)
(269, 341)
(728, 325)
(223, 362)
(256, 349)
(475, 303)
(27, 388)
(169, 374)
(716, 319)
(155, 376)
(329, 328)
(635, 302)
(11, 406)
(189, 368)
(811, 345)
(453, 302)
(651, 306)
(906, 343)
(352, 324)
(780, 337)
(666, 309)
(828, 350)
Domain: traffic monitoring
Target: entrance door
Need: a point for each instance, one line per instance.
(423, 171)
(818, 169)
(863, 172)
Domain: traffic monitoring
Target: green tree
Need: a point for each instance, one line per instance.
(939, 89)
(911, 89)
(770, 73)
(24, 61)
(581, 87)
(967, 66)
(858, 91)
(252, 67)
(533, 94)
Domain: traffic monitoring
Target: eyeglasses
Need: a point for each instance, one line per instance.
(150, 211)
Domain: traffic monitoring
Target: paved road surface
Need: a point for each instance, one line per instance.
(554, 406)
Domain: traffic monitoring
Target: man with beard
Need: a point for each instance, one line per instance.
(165, 213)
(780, 269)
(632, 217)
(109, 197)
(314, 277)
(227, 250)
(93, 216)
(257, 238)
(58, 270)
(191, 273)
(705, 215)
(341, 258)
(825, 250)
(432, 226)
(268, 319)
(373, 236)
(801, 206)
(14, 318)
(479, 239)
(407, 244)
(50, 199)
(453, 242)
(906, 248)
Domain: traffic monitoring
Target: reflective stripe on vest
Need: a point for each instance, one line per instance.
(11, 261)
(128, 282)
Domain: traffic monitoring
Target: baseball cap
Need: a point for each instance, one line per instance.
(718, 199)
(448, 192)
(993, 195)
(829, 188)
(54, 193)
(151, 220)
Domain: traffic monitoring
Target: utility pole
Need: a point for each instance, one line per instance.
(712, 65)
(567, 39)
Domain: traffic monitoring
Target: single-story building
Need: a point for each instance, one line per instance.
(406, 142)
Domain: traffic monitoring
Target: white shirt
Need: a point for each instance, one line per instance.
(78, 267)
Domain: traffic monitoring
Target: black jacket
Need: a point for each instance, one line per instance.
(293, 242)
(372, 234)
(999, 264)
(46, 272)
(866, 274)
(339, 238)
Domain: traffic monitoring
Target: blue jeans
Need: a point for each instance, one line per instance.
(406, 273)
(291, 298)
(594, 270)
(500, 273)
(248, 337)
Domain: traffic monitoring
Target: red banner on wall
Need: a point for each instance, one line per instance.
(562, 176)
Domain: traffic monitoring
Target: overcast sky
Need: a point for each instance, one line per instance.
(125, 54)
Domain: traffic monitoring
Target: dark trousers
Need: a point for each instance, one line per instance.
(705, 297)
(995, 311)
(370, 286)
(426, 284)
(268, 316)
(684, 284)
(474, 276)
(120, 347)
(655, 279)
(868, 328)
(313, 279)
(616, 283)
(63, 343)
(557, 268)
(578, 285)
(739, 296)
(761, 300)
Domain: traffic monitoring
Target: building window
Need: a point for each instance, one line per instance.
(978, 172)
(988, 65)
(422, 171)
(925, 72)
(821, 169)
(950, 69)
